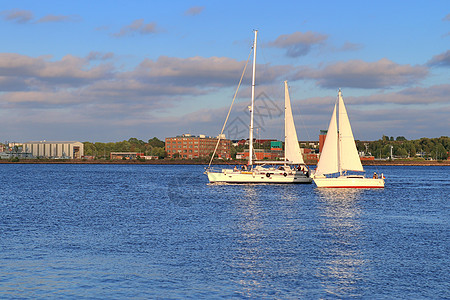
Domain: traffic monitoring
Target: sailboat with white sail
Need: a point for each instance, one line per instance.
(340, 157)
(290, 170)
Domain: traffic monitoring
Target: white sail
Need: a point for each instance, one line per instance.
(291, 148)
(328, 162)
(348, 154)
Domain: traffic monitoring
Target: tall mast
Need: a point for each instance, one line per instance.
(339, 135)
(250, 156)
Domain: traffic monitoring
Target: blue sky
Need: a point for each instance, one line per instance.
(108, 71)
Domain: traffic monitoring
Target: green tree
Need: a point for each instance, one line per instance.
(136, 141)
(439, 152)
(158, 151)
(89, 148)
(155, 142)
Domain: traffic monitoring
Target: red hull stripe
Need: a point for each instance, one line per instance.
(353, 187)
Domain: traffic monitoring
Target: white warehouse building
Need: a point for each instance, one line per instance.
(73, 150)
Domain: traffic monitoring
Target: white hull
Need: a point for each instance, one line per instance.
(230, 176)
(349, 182)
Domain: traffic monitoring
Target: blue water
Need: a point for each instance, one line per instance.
(145, 231)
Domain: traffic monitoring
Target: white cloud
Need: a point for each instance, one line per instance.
(298, 43)
(17, 16)
(195, 10)
(26, 16)
(440, 60)
(70, 71)
(60, 18)
(201, 72)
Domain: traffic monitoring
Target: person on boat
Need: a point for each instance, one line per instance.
(375, 175)
(235, 168)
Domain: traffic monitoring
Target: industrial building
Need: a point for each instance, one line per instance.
(58, 150)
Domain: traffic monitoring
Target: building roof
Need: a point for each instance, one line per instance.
(52, 142)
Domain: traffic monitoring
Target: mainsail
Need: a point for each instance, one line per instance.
(328, 162)
(291, 148)
(349, 158)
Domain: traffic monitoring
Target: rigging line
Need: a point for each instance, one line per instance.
(229, 111)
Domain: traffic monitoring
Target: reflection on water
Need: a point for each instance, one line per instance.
(341, 269)
(267, 240)
(249, 258)
(129, 231)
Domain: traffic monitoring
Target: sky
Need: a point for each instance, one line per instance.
(106, 71)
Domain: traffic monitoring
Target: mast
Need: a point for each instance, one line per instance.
(250, 154)
(339, 134)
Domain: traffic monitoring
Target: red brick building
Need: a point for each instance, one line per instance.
(322, 137)
(190, 147)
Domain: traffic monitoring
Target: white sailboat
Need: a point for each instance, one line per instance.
(339, 156)
(291, 170)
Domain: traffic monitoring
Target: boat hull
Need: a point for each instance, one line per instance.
(257, 177)
(349, 182)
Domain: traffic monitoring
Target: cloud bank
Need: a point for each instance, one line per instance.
(91, 91)
(366, 75)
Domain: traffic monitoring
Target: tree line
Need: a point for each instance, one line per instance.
(427, 148)
(153, 147)
(434, 148)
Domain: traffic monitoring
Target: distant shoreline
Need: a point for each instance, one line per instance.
(231, 163)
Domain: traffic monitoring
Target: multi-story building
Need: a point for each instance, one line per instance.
(322, 137)
(189, 147)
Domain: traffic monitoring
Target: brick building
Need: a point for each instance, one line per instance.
(190, 147)
(322, 137)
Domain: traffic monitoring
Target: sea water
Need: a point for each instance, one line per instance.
(161, 231)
